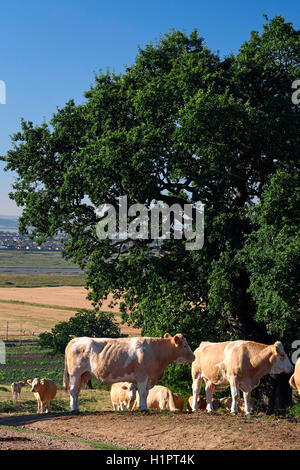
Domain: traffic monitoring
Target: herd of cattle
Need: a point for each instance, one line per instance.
(134, 366)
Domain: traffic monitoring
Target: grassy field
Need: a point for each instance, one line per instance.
(39, 259)
(41, 280)
(28, 361)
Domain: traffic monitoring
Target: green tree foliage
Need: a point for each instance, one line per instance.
(272, 256)
(94, 324)
(180, 125)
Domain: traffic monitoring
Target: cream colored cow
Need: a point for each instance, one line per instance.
(241, 364)
(16, 388)
(295, 379)
(159, 398)
(139, 360)
(122, 394)
(44, 391)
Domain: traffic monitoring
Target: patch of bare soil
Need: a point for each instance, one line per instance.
(17, 440)
(156, 431)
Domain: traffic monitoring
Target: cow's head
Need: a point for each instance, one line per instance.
(183, 352)
(280, 360)
(131, 391)
(34, 384)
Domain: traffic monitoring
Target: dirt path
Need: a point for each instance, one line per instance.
(134, 430)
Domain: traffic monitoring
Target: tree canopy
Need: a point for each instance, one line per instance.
(181, 125)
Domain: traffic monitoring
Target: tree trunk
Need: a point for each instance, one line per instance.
(89, 385)
(275, 394)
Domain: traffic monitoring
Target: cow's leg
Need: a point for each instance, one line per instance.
(197, 382)
(40, 406)
(74, 391)
(143, 393)
(247, 403)
(209, 391)
(47, 406)
(234, 388)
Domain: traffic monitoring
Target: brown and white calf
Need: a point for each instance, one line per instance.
(139, 360)
(44, 391)
(16, 388)
(295, 379)
(122, 394)
(179, 401)
(241, 364)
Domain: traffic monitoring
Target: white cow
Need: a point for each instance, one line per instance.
(16, 388)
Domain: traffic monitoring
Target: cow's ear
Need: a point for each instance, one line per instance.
(167, 335)
(29, 381)
(178, 339)
(279, 348)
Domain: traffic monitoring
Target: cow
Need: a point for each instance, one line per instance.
(226, 404)
(44, 391)
(201, 403)
(122, 394)
(16, 388)
(179, 401)
(241, 364)
(295, 379)
(159, 398)
(140, 360)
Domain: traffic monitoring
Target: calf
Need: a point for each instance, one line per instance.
(16, 388)
(122, 394)
(139, 360)
(159, 398)
(179, 401)
(295, 379)
(241, 364)
(201, 403)
(44, 391)
(226, 404)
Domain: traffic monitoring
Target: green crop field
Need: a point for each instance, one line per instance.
(41, 280)
(39, 259)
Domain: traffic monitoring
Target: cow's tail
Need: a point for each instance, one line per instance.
(65, 380)
(292, 382)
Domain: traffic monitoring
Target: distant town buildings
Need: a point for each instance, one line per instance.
(14, 241)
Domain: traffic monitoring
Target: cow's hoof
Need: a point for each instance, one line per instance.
(74, 412)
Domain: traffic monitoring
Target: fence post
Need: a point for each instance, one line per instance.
(2, 352)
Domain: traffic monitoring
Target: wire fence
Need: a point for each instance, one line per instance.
(13, 331)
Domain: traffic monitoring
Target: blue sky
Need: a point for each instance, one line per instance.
(50, 49)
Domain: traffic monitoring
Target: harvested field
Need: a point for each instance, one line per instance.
(35, 315)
